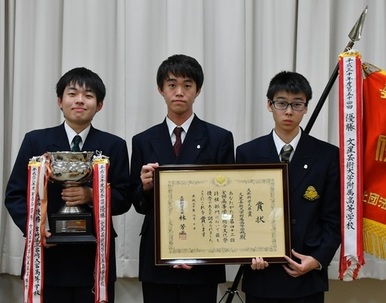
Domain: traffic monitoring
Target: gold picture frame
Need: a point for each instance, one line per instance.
(221, 214)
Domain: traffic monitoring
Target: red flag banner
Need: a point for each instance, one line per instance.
(374, 200)
(350, 143)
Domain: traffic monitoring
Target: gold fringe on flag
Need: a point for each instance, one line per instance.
(374, 236)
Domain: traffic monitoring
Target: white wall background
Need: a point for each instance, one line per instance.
(241, 45)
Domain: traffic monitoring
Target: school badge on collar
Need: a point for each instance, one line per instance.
(311, 194)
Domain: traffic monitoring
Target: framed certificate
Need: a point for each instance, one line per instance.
(221, 214)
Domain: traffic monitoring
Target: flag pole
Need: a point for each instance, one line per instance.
(232, 291)
(354, 35)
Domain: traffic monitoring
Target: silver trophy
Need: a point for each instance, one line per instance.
(72, 224)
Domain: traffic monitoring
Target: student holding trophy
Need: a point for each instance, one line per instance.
(68, 269)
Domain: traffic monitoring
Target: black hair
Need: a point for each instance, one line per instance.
(83, 77)
(180, 66)
(290, 82)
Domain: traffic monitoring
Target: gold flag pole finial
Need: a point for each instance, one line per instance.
(354, 35)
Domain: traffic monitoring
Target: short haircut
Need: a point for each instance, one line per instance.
(84, 78)
(180, 66)
(290, 82)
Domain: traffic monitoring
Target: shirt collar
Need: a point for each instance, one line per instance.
(71, 134)
(171, 126)
(279, 143)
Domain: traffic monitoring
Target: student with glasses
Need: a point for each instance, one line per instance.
(314, 197)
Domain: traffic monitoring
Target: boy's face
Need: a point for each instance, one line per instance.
(79, 106)
(287, 120)
(179, 94)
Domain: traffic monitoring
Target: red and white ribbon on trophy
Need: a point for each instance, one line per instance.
(33, 276)
(102, 223)
(35, 229)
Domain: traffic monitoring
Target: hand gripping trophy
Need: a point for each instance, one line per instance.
(72, 224)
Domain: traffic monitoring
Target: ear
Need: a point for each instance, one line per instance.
(198, 92)
(99, 106)
(60, 103)
(160, 91)
(269, 106)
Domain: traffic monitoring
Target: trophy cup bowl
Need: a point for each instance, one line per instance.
(71, 223)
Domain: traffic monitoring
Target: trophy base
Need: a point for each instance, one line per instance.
(71, 228)
(71, 239)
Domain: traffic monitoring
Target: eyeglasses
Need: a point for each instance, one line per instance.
(282, 105)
